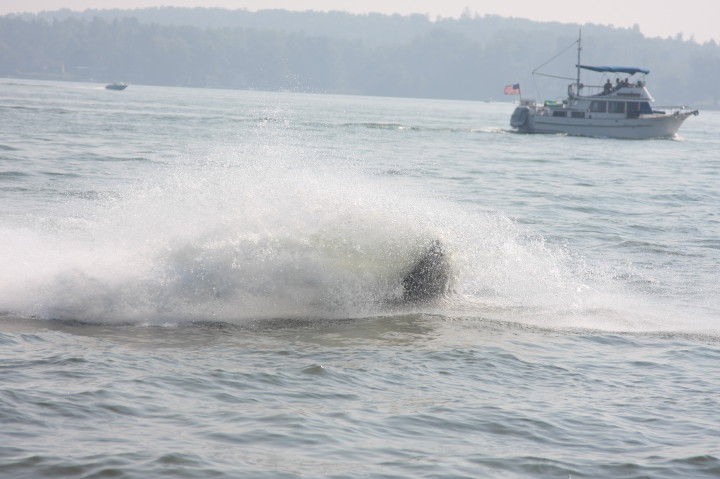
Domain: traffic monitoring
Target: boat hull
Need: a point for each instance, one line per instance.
(645, 127)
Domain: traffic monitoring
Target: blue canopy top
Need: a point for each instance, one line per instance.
(628, 70)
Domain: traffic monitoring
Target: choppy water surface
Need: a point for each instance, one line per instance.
(205, 283)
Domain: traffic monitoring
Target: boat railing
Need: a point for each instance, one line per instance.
(599, 90)
(674, 110)
(674, 107)
(589, 90)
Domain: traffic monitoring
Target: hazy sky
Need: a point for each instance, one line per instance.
(698, 18)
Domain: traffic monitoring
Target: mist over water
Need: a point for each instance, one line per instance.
(267, 231)
(247, 234)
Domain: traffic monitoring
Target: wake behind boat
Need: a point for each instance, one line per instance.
(620, 109)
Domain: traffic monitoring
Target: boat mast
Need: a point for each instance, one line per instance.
(579, 42)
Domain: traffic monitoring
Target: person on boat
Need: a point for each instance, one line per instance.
(607, 88)
(618, 85)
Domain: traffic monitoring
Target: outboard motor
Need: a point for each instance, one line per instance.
(519, 117)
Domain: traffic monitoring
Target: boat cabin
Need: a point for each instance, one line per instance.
(621, 99)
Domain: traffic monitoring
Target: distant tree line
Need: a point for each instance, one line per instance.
(472, 57)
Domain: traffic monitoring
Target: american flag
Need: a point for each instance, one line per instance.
(512, 89)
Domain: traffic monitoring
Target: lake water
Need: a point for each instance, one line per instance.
(208, 283)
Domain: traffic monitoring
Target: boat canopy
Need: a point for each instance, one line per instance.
(628, 70)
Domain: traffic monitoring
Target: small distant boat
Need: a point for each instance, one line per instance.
(613, 110)
(116, 86)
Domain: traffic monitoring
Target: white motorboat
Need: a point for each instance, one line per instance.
(620, 109)
(116, 86)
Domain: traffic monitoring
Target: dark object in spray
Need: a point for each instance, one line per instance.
(428, 279)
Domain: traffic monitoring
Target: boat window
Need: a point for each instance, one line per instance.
(560, 113)
(578, 114)
(645, 108)
(633, 110)
(598, 106)
(616, 107)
